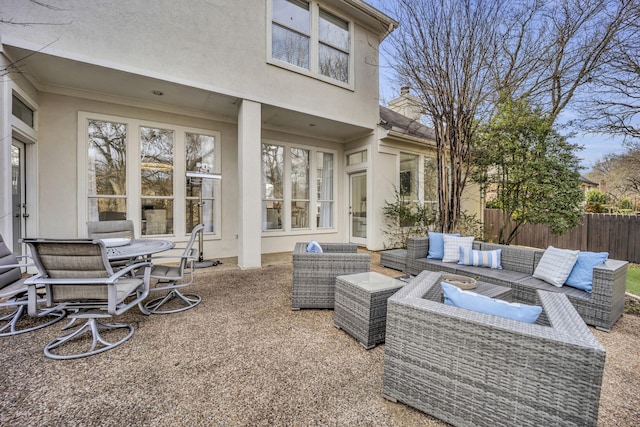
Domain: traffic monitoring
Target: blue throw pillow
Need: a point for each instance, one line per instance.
(581, 276)
(471, 301)
(490, 259)
(436, 244)
(314, 247)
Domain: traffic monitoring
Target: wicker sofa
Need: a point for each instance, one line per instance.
(314, 274)
(600, 308)
(474, 369)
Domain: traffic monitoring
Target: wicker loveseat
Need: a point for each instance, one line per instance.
(474, 369)
(600, 308)
(314, 274)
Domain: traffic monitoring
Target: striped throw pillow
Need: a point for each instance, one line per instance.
(490, 259)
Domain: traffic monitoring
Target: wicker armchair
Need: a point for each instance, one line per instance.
(314, 274)
(474, 369)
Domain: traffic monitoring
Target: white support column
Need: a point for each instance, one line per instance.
(249, 197)
(6, 205)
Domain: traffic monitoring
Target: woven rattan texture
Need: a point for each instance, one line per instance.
(314, 274)
(473, 369)
(600, 308)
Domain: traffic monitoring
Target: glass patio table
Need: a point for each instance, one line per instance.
(138, 248)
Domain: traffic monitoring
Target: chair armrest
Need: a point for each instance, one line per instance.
(417, 247)
(610, 279)
(19, 265)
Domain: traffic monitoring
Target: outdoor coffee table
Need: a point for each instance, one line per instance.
(361, 305)
(488, 289)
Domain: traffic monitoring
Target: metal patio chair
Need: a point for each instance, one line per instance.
(77, 277)
(110, 229)
(13, 296)
(170, 278)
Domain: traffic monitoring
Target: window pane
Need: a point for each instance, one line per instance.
(299, 214)
(430, 180)
(107, 158)
(157, 216)
(324, 162)
(291, 32)
(272, 212)
(333, 63)
(107, 209)
(272, 171)
(357, 158)
(292, 14)
(273, 186)
(200, 150)
(20, 110)
(156, 161)
(299, 173)
(290, 47)
(409, 176)
(333, 51)
(333, 31)
(193, 215)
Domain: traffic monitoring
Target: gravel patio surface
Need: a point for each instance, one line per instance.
(244, 358)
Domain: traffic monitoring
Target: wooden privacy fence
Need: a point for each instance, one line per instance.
(617, 234)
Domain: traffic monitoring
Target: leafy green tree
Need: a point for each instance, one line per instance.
(596, 200)
(625, 205)
(532, 169)
(405, 219)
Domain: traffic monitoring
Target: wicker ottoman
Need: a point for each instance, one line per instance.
(361, 305)
(394, 258)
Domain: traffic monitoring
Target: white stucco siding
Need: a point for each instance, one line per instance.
(220, 45)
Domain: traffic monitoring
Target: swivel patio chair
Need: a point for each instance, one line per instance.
(77, 277)
(110, 229)
(170, 278)
(13, 297)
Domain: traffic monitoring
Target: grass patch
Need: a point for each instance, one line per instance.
(633, 279)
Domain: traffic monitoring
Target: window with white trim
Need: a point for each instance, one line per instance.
(311, 38)
(287, 203)
(137, 170)
(107, 170)
(416, 188)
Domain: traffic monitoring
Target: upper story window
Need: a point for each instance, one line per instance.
(291, 32)
(311, 38)
(333, 49)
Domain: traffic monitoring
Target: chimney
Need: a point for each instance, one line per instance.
(406, 104)
(602, 186)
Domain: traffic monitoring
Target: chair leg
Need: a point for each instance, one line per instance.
(93, 327)
(10, 323)
(187, 300)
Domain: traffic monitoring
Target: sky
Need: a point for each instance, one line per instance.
(596, 147)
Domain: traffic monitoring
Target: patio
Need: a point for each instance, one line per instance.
(243, 357)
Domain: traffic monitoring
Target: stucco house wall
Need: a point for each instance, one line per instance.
(211, 62)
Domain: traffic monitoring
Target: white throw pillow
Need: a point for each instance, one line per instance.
(556, 265)
(452, 245)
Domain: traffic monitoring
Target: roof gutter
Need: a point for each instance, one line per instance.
(387, 22)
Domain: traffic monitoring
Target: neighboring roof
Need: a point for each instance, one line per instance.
(586, 181)
(390, 120)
